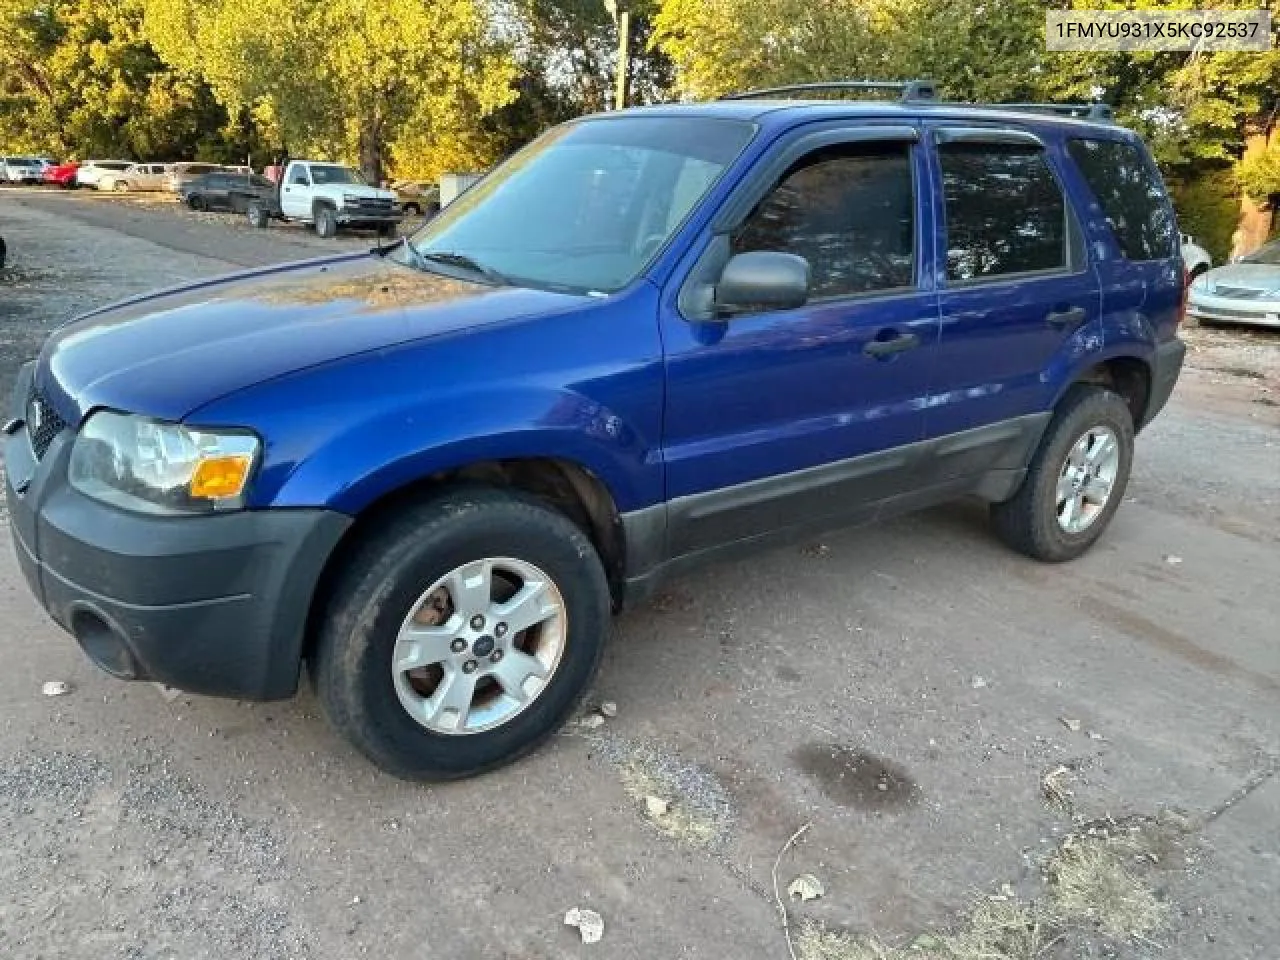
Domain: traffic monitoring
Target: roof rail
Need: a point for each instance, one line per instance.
(1103, 112)
(906, 90)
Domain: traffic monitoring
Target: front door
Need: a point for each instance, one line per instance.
(803, 417)
(295, 194)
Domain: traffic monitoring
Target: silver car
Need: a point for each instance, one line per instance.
(1244, 291)
(21, 169)
(138, 176)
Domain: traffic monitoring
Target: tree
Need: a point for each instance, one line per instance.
(78, 78)
(342, 77)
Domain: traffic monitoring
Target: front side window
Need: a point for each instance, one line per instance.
(299, 176)
(849, 211)
(588, 205)
(1005, 213)
(1132, 197)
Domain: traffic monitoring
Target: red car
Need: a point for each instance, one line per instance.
(61, 174)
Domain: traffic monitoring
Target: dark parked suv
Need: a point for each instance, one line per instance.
(651, 338)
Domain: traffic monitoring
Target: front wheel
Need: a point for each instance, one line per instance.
(1076, 479)
(326, 222)
(461, 634)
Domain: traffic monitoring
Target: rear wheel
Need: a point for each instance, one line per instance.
(462, 634)
(1076, 479)
(257, 214)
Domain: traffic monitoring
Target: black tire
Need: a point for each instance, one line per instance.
(387, 229)
(412, 210)
(433, 208)
(326, 222)
(388, 573)
(257, 214)
(1028, 522)
(197, 203)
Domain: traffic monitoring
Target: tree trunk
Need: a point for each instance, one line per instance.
(1254, 226)
(371, 150)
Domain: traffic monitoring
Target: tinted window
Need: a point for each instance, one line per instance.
(1004, 209)
(849, 212)
(1131, 195)
(299, 175)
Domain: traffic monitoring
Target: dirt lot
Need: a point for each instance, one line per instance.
(994, 758)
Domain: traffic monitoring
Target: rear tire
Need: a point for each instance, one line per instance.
(326, 222)
(1059, 510)
(257, 214)
(356, 666)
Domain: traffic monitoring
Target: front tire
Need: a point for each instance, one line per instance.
(257, 214)
(1076, 479)
(326, 222)
(461, 634)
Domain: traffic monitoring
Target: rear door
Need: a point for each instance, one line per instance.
(805, 417)
(1019, 296)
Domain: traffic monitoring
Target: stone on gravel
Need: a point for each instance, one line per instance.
(805, 887)
(589, 923)
(55, 688)
(609, 709)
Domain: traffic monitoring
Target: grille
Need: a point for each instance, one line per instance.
(43, 424)
(1239, 293)
(369, 204)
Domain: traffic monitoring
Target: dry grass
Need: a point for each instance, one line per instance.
(681, 821)
(992, 930)
(1090, 880)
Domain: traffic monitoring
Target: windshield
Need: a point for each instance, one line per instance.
(588, 205)
(322, 173)
(1268, 253)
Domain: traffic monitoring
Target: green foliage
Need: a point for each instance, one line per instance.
(1208, 207)
(1259, 173)
(78, 79)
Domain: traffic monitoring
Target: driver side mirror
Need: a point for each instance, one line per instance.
(762, 280)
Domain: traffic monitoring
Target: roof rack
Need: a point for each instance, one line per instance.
(1086, 111)
(906, 90)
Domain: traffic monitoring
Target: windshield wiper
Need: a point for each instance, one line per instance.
(467, 262)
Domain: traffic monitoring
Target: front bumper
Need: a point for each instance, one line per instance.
(1205, 306)
(355, 216)
(213, 604)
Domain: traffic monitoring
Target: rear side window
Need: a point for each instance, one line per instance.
(849, 211)
(1004, 209)
(1131, 195)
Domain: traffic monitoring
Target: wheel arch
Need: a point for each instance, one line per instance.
(1126, 373)
(568, 486)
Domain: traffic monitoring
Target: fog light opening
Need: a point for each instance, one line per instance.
(103, 644)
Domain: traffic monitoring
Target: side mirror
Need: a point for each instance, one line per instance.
(762, 280)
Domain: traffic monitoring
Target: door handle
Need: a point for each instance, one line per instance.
(1067, 319)
(895, 344)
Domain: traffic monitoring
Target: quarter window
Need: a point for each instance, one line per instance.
(1005, 211)
(1131, 195)
(849, 211)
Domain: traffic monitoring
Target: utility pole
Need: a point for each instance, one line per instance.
(618, 9)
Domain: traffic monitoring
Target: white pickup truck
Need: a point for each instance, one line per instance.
(329, 196)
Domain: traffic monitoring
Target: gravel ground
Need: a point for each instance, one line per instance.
(902, 688)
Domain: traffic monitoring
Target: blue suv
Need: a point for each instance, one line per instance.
(651, 338)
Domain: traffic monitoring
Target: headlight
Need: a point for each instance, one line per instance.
(350, 198)
(157, 467)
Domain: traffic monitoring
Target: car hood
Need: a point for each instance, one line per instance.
(168, 353)
(1247, 276)
(354, 190)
